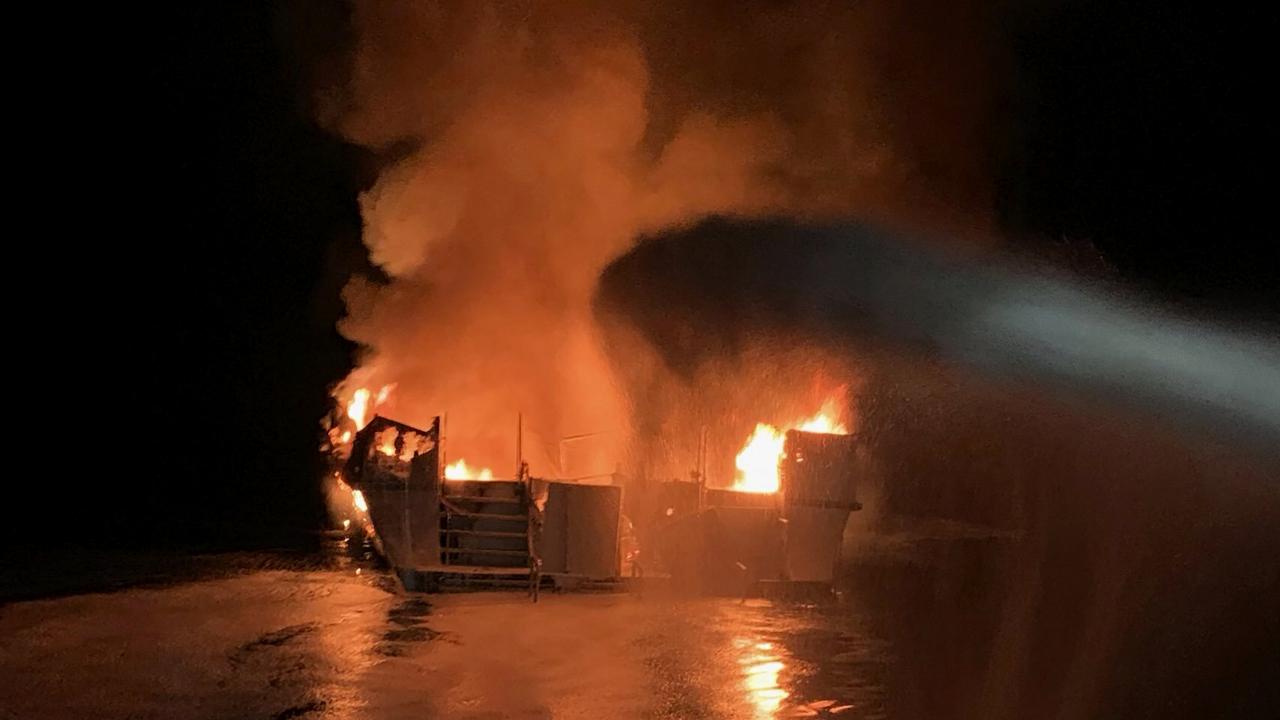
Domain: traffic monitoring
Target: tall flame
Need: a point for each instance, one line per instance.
(358, 407)
(757, 463)
(461, 471)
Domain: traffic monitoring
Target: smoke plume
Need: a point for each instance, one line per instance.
(533, 141)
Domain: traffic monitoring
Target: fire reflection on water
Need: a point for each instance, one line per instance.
(761, 664)
(802, 660)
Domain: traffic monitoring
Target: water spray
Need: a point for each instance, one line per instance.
(849, 281)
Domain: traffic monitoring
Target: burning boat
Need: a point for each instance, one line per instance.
(780, 521)
(436, 524)
(784, 529)
(441, 524)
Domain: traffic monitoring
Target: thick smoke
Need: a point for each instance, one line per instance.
(535, 140)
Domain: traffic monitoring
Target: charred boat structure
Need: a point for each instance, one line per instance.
(439, 532)
(727, 541)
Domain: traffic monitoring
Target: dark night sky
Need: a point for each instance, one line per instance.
(1141, 128)
(1144, 128)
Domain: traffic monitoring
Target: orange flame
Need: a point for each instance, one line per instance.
(358, 407)
(826, 421)
(757, 463)
(386, 441)
(461, 471)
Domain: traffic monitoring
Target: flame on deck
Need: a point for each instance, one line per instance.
(757, 463)
(358, 408)
(362, 404)
(385, 441)
(459, 470)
